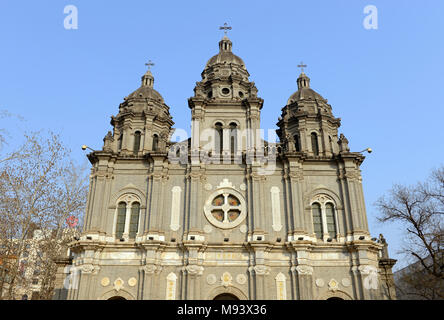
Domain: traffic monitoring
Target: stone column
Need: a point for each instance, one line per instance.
(195, 208)
(147, 287)
(297, 203)
(194, 275)
(60, 290)
(305, 282)
(97, 208)
(261, 272)
(256, 201)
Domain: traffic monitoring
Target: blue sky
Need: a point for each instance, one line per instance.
(385, 84)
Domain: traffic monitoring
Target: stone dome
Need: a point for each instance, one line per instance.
(304, 91)
(146, 90)
(225, 56)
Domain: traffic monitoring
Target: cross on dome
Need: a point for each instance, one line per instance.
(302, 66)
(149, 64)
(226, 27)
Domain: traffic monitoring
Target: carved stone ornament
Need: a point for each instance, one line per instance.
(89, 268)
(346, 282)
(333, 285)
(241, 279)
(261, 270)
(371, 280)
(211, 279)
(208, 229)
(226, 279)
(151, 268)
(132, 282)
(225, 184)
(323, 199)
(118, 284)
(105, 282)
(305, 270)
(194, 269)
(320, 283)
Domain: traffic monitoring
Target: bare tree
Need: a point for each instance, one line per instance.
(420, 209)
(38, 191)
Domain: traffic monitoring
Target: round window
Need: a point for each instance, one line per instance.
(225, 209)
(225, 91)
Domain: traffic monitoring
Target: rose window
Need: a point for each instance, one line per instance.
(225, 209)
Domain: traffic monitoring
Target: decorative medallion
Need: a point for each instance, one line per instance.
(208, 187)
(241, 279)
(132, 282)
(208, 229)
(333, 285)
(118, 284)
(226, 279)
(105, 282)
(346, 282)
(211, 279)
(243, 187)
(320, 283)
(243, 228)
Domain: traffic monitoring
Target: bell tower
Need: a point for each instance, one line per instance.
(143, 124)
(307, 124)
(225, 103)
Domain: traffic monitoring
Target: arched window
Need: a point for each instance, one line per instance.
(314, 143)
(233, 137)
(296, 143)
(134, 221)
(317, 220)
(330, 216)
(137, 136)
(120, 140)
(219, 139)
(155, 142)
(120, 224)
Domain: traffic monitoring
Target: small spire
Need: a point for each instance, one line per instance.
(225, 44)
(303, 80)
(148, 79)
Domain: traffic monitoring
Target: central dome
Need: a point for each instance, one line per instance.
(225, 57)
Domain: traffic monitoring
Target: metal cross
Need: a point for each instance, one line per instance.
(225, 28)
(302, 66)
(149, 64)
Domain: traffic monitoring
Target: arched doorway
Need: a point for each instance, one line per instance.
(335, 299)
(117, 298)
(226, 296)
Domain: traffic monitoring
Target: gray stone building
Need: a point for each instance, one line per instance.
(225, 214)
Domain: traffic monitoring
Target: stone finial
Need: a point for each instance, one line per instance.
(343, 143)
(384, 250)
(107, 141)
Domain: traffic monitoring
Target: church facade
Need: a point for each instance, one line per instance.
(225, 214)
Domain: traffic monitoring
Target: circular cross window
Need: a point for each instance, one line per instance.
(225, 209)
(225, 91)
